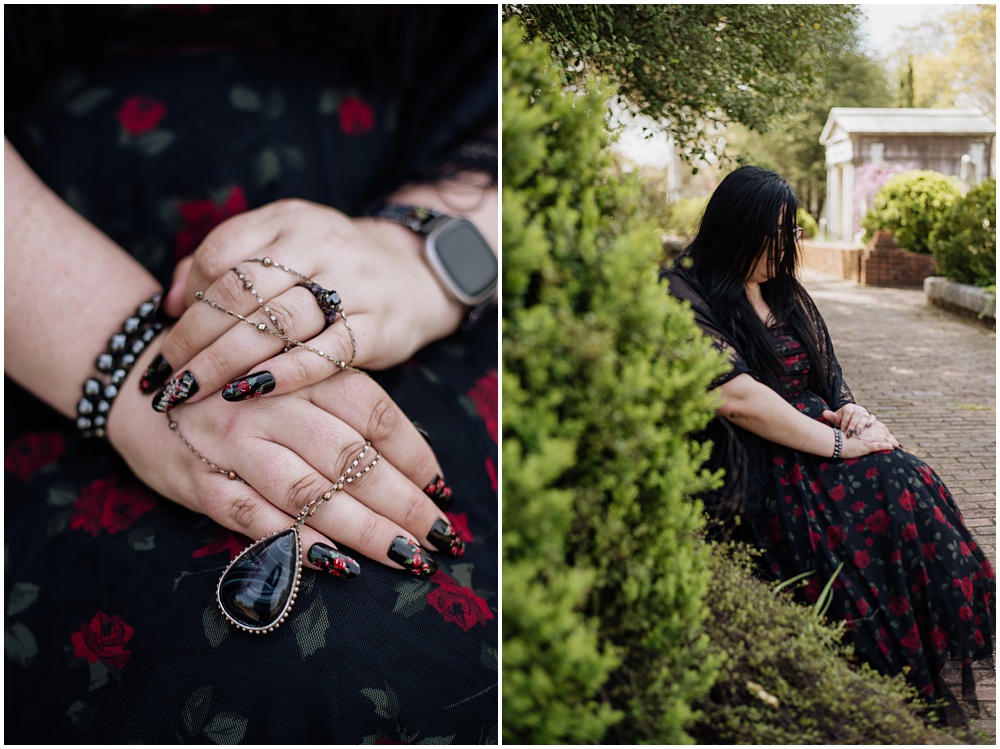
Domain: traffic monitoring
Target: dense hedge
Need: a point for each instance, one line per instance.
(788, 678)
(604, 579)
(910, 205)
(965, 242)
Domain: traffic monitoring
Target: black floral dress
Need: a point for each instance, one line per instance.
(112, 633)
(913, 587)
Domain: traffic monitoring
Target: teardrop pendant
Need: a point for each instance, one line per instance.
(258, 588)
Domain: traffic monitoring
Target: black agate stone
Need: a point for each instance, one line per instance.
(257, 589)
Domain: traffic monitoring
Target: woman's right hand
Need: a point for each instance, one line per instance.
(871, 439)
(289, 450)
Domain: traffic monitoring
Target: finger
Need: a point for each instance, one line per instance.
(241, 237)
(291, 483)
(211, 347)
(173, 302)
(832, 417)
(239, 507)
(288, 371)
(332, 446)
(360, 402)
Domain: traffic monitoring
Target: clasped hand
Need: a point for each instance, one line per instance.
(863, 431)
(291, 445)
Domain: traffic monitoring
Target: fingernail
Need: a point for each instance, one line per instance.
(423, 433)
(445, 538)
(179, 389)
(251, 386)
(407, 552)
(329, 559)
(155, 376)
(439, 492)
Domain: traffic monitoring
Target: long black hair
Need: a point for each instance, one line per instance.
(751, 215)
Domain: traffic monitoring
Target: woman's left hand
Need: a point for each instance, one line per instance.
(392, 305)
(853, 420)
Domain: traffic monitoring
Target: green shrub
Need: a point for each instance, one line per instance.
(603, 376)
(910, 205)
(809, 226)
(788, 679)
(685, 216)
(965, 242)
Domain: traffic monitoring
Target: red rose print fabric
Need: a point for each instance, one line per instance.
(103, 639)
(914, 589)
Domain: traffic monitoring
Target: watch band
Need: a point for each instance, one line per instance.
(420, 220)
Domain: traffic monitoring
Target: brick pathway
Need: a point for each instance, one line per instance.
(931, 377)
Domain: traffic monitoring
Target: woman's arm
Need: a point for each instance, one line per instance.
(67, 289)
(757, 408)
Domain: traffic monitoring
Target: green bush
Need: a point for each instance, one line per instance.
(604, 375)
(685, 216)
(910, 205)
(965, 242)
(788, 679)
(809, 226)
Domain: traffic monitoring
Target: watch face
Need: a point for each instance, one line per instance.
(464, 259)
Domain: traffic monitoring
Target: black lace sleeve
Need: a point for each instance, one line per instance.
(837, 391)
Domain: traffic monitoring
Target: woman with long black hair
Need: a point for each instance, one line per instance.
(813, 479)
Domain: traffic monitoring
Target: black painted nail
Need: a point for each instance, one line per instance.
(439, 492)
(179, 389)
(156, 375)
(445, 538)
(407, 552)
(251, 386)
(329, 559)
(423, 433)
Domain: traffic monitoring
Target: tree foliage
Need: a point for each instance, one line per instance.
(604, 377)
(696, 68)
(951, 61)
(792, 147)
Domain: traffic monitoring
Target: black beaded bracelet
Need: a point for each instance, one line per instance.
(838, 443)
(113, 367)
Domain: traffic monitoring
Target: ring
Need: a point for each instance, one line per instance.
(328, 301)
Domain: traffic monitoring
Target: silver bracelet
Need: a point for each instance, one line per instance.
(838, 443)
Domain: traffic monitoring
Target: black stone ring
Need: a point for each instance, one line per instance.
(328, 301)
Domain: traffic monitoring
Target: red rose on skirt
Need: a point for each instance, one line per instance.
(862, 606)
(899, 605)
(838, 493)
(929, 550)
(906, 501)
(140, 114)
(939, 638)
(912, 639)
(356, 116)
(871, 473)
(965, 614)
(910, 531)
(861, 559)
(939, 516)
(460, 524)
(105, 505)
(226, 540)
(858, 506)
(966, 585)
(878, 522)
(32, 452)
(484, 396)
(457, 603)
(201, 216)
(104, 639)
(834, 537)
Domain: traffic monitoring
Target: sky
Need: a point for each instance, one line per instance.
(884, 21)
(882, 27)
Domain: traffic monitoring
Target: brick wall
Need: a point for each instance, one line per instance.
(882, 263)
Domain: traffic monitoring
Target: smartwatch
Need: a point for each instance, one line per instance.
(457, 253)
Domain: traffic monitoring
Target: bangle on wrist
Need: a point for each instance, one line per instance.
(838, 443)
(113, 366)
